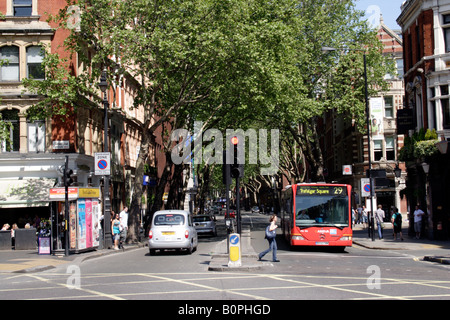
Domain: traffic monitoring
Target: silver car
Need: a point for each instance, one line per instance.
(205, 224)
(172, 229)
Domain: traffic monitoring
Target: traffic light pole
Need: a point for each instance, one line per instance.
(66, 208)
(238, 210)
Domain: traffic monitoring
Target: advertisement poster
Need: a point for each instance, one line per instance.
(376, 116)
(73, 225)
(88, 223)
(81, 224)
(95, 223)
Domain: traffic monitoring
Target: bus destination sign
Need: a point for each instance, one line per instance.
(322, 190)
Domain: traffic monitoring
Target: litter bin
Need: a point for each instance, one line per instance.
(25, 239)
(5, 240)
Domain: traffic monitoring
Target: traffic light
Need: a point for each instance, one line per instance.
(237, 169)
(68, 177)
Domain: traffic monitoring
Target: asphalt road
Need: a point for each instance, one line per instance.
(316, 274)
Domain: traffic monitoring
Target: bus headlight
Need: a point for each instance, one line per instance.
(297, 237)
(346, 238)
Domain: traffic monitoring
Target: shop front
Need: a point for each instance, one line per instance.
(84, 217)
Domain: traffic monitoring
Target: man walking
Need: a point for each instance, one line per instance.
(379, 217)
(418, 214)
(124, 224)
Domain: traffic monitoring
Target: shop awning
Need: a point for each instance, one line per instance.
(25, 192)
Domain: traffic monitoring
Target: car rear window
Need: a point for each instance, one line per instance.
(202, 219)
(169, 219)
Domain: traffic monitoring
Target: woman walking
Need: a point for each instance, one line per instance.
(271, 237)
(116, 231)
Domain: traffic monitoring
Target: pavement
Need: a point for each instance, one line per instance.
(29, 261)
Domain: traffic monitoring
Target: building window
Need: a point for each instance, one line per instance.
(446, 29)
(389, 106)
(400, 71)
(377, 149)
(390, 148)
(9, 57)
(11, 118)
(36, 136)
(34, 63)
(445, 113)
(22, 8)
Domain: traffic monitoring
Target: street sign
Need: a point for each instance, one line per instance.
(365, 187)
(102, 163)
(235, 250)
(347, 170)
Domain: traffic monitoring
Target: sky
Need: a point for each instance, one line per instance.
(390, 9)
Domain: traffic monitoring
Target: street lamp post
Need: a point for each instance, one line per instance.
(106, 197)
(366, 94)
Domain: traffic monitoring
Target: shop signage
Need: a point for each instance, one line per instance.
(405, 121)
(60, 144)
(58, 194)
(88, 193)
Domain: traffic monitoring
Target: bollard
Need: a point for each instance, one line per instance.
(234, 242)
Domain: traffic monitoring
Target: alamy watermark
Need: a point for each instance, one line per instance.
(192, 147)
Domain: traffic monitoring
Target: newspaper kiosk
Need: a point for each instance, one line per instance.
(84, 219)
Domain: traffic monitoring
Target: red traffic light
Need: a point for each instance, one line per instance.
(235, 140)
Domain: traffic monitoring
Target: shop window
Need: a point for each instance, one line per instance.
(34, 63)
(22, 8)
(11, 119)
(9, 58)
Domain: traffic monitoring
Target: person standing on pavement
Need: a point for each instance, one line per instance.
(364, 217)
(116, 231)
(397, 223)
(379, 217)
(272, 240)
(418, 214)
(124, 222)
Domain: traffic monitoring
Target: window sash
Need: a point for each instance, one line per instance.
(36, 137)
(10, 69)
(34, 63)
(22, 8)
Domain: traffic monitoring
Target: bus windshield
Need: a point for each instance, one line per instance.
(321, 210)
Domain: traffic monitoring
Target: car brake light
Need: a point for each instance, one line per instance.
(186, 234)
(150, 234)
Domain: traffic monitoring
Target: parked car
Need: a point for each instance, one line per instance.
(255, 209)
(205, 224)
(172, 229)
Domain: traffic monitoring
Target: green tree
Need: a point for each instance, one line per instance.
(190, 58)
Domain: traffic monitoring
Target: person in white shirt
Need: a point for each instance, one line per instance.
(379, 217)
(124, 223)
(418, 221)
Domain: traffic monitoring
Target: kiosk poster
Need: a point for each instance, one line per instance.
(73, 225)
(81, 224)
(88, 223)
(95, 223)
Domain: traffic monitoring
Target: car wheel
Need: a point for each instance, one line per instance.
(191, 247)
(152, 252)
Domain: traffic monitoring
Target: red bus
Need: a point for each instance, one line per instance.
(317, 214)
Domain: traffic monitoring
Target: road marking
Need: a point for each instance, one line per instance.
(232, 291)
